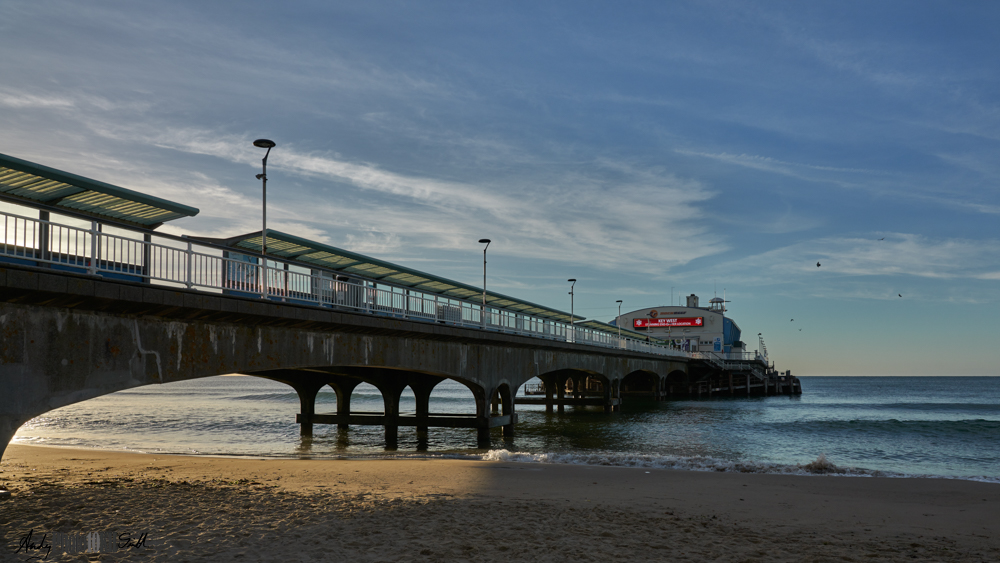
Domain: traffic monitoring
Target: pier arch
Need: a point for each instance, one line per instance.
(641, 383)
(587, 387)
(676, 382)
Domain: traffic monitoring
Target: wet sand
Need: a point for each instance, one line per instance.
(224, 509)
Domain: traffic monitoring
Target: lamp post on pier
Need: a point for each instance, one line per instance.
(264, 144)
(487, 242)
(571, 319)
(618, 321)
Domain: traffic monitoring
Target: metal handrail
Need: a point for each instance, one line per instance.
(164, 259)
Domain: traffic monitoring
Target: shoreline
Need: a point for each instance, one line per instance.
(821, 467)
(441, 506)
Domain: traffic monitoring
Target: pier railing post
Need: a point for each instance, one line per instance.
(190, 265)
(95, 245)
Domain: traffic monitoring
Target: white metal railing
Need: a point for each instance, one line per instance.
(751, 362)
(162, 259)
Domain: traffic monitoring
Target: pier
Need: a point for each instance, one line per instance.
(715, 375)
(94, 300)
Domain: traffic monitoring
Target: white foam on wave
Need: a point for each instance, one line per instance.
(820, 466)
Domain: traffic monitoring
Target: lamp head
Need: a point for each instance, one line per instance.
(571, 280)
(264, 143)
(485, 240)
(619, 301)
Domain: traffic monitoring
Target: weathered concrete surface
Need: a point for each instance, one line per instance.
(67, 338)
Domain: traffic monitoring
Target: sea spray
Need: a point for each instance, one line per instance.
(821, 466)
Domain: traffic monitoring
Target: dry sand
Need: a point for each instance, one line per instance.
(221, 509)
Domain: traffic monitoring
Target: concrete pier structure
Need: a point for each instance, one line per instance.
(94, 300)
(69, 337)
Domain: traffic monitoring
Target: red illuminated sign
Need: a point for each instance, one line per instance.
(665, 322)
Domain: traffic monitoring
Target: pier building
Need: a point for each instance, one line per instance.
(691, 328)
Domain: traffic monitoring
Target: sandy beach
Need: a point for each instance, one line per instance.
(221, 509)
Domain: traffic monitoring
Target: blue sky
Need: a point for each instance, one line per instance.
(635, 146)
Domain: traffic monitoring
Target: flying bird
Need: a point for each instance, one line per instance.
(817, 264)
(800, 330)
(791, 320)
(900, 294)
(883, 238)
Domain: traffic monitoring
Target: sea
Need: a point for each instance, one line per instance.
(947, 427)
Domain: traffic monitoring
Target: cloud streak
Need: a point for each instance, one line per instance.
(849, 260)
(576, 217)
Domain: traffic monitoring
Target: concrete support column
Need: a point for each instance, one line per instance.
(507, 404)
(732, 390)
(561, 392)
(307, 404)
(422, 388)
(483, 437)
(550, 384)
(344, 388)
(484, 399)
(390, 398)
(608, 396)
(616, 386)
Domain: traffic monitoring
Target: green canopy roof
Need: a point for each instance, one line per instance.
(283, 245)
(25, 180)
(607, 327)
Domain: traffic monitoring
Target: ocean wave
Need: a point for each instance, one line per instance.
(283, 397)
(930, 406)
(820, 466)
(974, 427)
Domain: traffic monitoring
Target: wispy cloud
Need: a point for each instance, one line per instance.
(772, 164)
(576, 217)
(21, 100)
(841, 260)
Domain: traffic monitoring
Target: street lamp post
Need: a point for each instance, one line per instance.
(487, 242)
(264, 144)
(571, 319)
(618, 321)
